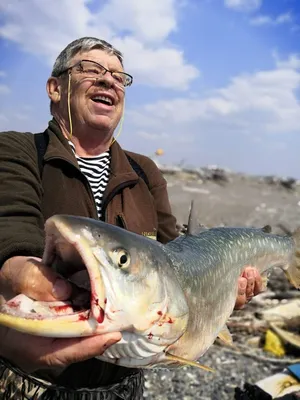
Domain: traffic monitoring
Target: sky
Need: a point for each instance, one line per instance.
(215, 81)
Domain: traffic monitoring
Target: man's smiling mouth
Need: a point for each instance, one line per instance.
(103, 99)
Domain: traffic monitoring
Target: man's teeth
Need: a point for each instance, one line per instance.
(106, 100)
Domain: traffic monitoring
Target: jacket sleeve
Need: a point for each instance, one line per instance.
(21, 220)
(158, 187)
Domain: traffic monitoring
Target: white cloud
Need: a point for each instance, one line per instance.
(149, 20)
(257, 104)
(293, 62)
(243, 5)
(268, 20)
(164, 67)
(4, 89)
(139, 28)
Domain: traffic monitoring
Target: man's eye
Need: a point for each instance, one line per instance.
(91, 71)
(118, 78)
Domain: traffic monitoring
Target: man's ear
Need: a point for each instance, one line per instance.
(53, 89)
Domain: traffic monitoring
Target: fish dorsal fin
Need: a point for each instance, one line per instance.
(225, 336)
(183, 361)
(267, 229)
(193, 226)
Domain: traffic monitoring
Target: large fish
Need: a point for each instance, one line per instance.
(169, 301)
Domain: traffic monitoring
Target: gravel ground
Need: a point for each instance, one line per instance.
(189, 383)
(244, 201)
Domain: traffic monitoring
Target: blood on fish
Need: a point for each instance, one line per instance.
(170, 321)
(100, 318)
(105, 300)
(150, 336)
(159, 312)
(13, 304)
(60, 308)
(83, 317)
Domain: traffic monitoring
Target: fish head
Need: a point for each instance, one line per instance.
(132, 287)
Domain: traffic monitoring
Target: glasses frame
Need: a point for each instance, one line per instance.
(102, 67)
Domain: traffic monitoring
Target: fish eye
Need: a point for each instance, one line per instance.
(121, 257)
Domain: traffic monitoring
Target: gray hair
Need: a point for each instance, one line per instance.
(79, 45)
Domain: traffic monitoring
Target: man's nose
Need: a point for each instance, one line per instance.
(105, 80)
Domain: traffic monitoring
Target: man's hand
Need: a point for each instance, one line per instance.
(30, 277)
(249, 285)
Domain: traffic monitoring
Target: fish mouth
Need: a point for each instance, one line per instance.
(70, 253)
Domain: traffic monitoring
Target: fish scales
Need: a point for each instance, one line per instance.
(208, 265)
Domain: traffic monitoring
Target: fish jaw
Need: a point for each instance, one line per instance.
(61, 240)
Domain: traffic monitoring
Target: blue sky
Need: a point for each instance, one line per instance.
(215, 81)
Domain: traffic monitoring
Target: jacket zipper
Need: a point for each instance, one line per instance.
(121, 221)
(111, 195)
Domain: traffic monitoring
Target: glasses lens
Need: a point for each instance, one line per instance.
(92, 69)
(122, 78)
(89, 68)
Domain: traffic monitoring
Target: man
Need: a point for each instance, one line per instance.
(84, 172)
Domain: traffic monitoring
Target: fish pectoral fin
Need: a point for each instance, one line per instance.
(225, 336)
(183, 361)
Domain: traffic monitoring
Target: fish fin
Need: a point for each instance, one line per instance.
(267, 229)
(225, 336)
(193, 227)
(183, 361)
(192, 221)
(293, 270)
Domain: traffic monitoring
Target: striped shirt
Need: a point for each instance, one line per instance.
(96, 170)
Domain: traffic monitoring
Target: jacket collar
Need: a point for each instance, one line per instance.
(58, 147)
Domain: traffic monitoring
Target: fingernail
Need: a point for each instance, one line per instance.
(250, 274)
(243, 285)
(61, 289)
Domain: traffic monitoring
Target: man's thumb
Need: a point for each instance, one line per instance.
(27, 275)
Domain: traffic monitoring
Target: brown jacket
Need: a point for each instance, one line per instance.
(26, 201)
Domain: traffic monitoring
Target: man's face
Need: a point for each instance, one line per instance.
(88, 108)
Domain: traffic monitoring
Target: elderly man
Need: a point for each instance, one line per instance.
(75, 167)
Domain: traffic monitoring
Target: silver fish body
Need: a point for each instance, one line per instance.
(169, 301)
(208, 265)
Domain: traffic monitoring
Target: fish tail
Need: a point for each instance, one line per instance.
(293, 270)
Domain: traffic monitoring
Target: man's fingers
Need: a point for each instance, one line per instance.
(258, 287)
(68, 351)
(250, 275)
(30, 277)
(241, 297)
(249, 285)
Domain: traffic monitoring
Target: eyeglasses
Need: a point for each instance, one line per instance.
(91, 69)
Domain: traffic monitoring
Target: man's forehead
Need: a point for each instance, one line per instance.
(102, 57)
